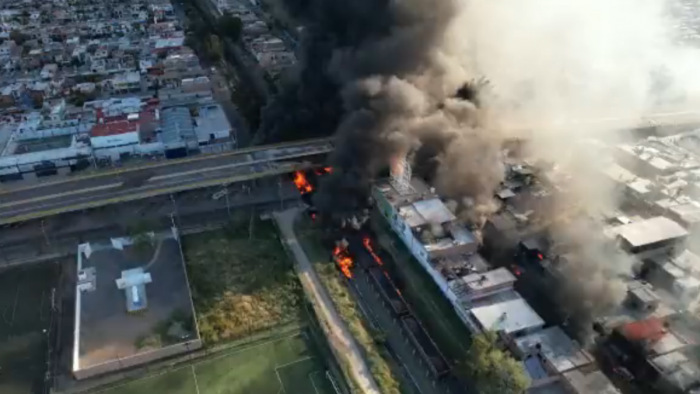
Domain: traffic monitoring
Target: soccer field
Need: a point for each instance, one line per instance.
(284, 365)
(25, 311)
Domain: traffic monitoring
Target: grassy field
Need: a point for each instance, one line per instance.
(430, 306)
(25, 306)
(242, 281)
(284, 365)
(381, 366)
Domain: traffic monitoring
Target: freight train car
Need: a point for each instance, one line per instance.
(428, 350)
(389, 292)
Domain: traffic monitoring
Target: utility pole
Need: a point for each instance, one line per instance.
(279, 191)
(172, 198)
(43, 230)
(228, 205)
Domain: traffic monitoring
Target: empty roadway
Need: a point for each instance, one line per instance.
(27, 200)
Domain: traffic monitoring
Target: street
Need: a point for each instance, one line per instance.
(43, 239)
(26, 200)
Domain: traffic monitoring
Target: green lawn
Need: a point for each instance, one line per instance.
(284, 365)
(25, 305)
(429, 304)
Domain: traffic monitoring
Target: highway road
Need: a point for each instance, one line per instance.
(27, 200)
(41, 240)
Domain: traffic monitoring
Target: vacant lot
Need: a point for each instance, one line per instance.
(284, 365)
(241, 280)
(25, 306)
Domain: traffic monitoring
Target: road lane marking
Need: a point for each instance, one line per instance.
(19, 217)
(59, 195)
(198, 171)
(322, 142)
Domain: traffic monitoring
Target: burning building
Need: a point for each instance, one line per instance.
(483, 298)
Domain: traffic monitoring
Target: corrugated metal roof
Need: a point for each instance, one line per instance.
(651, 329)
(176, 124)
(114, 128)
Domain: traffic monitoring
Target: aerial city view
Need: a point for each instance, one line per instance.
(349, 197)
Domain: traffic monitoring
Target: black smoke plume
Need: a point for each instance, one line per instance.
(376, 74)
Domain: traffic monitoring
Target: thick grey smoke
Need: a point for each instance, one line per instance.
(388, 78)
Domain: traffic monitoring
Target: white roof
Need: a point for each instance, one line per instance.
(650, 231)
(677, 369)
(486, 280)
(169, 42)
(593, 382)
(509, 316)
(556, 347)
(133, 277)
(434, 211)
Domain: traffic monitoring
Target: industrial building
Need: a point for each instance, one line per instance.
(70, 139)
(132, 304)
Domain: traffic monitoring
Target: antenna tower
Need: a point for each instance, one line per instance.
(401, 176)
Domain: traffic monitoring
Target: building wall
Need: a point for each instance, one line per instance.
(138, 359)
(115, 140)
(414, 245)
(419, 253)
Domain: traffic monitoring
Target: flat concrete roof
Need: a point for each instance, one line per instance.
(105, 330)
(677, 369)
(510, 316)
(594, 381)
(487, 280)
(556, 347)
(649, 231)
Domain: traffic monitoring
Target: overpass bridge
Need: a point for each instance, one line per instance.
(27, 200)
(670, 117)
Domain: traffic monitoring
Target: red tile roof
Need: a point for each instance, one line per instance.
(651, 330)
(113, 128)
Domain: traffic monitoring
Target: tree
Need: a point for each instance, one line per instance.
(18, 37)
(214, 48)
(248, 103)
(492, 369)
(231, 26)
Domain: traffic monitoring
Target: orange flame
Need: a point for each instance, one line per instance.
(368, 245)
(516, 270)
(302, 183)
(344, 261)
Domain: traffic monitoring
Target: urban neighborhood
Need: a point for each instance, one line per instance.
(333, 197)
